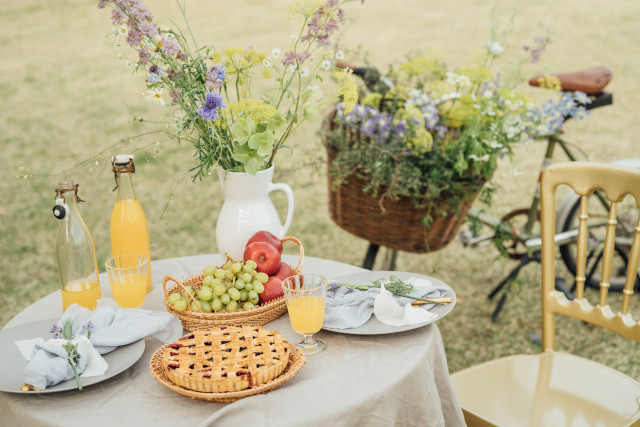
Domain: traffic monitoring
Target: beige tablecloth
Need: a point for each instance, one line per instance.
(375, 380)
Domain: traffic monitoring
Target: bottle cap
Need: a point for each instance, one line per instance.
(122, 159)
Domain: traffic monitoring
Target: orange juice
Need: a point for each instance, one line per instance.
(83, 292)
(129, 289)
(129, 233)
(306, 313)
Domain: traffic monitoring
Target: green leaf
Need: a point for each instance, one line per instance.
(67, 330)
(263, 142)
(242, 131)
(250, 158)
(277, 124)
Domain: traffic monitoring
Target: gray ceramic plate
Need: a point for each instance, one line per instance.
(12, 363)
(374, 326)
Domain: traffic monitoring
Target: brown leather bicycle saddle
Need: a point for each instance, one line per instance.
(590, 81)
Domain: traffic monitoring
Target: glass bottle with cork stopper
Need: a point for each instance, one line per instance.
(129, 230)
(79, 282)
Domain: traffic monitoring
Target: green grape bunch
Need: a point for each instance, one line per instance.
(234, 287)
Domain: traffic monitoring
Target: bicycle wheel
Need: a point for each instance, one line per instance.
(597, 220)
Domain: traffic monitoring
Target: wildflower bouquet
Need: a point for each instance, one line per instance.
(212, 91)
(429, 134)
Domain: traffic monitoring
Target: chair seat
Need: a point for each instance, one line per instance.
(548, 389)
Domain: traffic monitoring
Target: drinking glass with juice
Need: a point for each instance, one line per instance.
(305, 295)
(128, 279)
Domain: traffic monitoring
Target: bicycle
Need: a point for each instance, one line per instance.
(515, 233)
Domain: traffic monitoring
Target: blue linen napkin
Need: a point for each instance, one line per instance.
(111, 327)
(347, 308)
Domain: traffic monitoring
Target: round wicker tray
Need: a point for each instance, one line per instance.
(296, 362)
(193, 320)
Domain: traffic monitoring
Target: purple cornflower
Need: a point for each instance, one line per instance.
(215, 77)
(368, 128)
(400, 129)
(213, 102)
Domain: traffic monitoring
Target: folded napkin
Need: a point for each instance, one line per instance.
(348, 308)
(111, 327)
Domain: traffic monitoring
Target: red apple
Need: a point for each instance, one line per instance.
(283, 271)
(272, 290)
(265, 236)
(265, 255)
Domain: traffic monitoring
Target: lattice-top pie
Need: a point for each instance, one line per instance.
(226, 359)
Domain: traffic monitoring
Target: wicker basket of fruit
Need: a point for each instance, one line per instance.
(236, 293)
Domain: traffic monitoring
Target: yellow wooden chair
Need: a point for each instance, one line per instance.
(554, 388)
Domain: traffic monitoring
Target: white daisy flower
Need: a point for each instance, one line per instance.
(266, 62)
(495, 48)
(479, 159)
(304, 72)
(155, 95)
(276, 53)
(119, 57)
(339, 55)
(326, 65)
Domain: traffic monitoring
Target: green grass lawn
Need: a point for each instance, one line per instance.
(67, 105)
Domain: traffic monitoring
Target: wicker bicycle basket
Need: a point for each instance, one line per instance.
(194, 320)
(393, 223)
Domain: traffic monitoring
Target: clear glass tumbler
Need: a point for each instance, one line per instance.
(305, 295)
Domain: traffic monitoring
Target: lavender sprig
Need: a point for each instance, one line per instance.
(72, 349)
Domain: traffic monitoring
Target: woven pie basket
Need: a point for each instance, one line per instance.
(194, 321)
(296, 362)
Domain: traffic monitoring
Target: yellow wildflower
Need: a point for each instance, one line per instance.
(422, 141)
(421, 65)
(259, 111)
(372, 100)
(461, 112)
(348, 89)
(410, 112)
(304, 7)
(550, 82)
(477, 74)
(216, 57)
(233, 51)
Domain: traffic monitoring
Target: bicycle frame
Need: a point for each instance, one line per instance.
(526, 234)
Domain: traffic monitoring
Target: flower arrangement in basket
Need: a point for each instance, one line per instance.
(234, 294)
(211, 91)
(408, 161)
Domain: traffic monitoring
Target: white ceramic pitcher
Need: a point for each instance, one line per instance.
(247, 209)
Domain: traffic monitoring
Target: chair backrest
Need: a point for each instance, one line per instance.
(584, 178)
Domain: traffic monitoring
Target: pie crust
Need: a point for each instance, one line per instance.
(224, 359)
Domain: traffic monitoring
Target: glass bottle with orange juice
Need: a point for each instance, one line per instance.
(79, 282)
(129, 230)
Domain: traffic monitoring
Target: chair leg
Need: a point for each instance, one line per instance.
(507, 281)
(370, 257)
